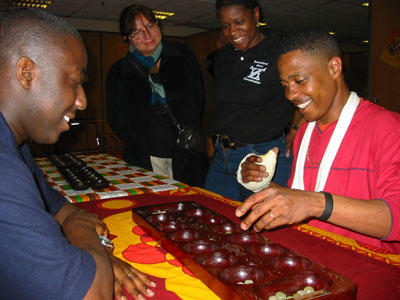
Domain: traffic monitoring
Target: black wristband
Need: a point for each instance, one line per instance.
(294, 126)
(328, 207)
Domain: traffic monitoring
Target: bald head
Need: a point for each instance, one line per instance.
(32, 33)
(42, 63)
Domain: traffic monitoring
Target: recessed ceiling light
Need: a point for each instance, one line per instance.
(365, 4)
(366, 42)
(162, 14)
(262, 24)
(332, 33)
(32, 3)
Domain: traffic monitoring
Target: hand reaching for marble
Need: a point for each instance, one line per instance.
(256, 171)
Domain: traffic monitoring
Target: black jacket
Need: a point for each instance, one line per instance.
(147, 130)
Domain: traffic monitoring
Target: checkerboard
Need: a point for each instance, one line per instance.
(125, 180)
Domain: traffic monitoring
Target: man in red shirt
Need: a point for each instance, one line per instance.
(345, 176)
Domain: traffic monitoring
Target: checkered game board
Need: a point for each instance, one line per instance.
(125, 180)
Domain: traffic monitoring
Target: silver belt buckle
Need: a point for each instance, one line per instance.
(225, 142)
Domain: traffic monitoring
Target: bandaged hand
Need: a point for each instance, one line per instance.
(255, 172)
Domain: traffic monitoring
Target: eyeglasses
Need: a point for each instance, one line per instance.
(139, 34)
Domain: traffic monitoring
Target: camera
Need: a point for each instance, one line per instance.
(191, 140)
(188, 138)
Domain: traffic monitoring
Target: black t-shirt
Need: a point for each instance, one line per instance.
(249, 102)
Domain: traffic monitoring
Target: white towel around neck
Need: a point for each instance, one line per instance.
(330, 153)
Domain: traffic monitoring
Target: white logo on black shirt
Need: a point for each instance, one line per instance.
(255, 71)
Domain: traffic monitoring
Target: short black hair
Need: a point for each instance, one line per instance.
(128, 16)
(247, 4)
(311, 40)
(32, 33)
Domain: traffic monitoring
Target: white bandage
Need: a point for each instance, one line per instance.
(269, 161)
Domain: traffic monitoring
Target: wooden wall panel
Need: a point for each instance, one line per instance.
(356, 72)
(113, 49)
(213, 38)
(93, 84)
(175, 39)
(199, 44)
(87, 135)
(384, 79)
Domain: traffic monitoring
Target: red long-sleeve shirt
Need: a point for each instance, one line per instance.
(367, 166)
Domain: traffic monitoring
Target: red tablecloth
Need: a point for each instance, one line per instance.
(375, 279)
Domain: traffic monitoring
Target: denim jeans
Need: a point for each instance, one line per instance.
(221, 177)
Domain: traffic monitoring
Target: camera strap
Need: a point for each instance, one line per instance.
(171, 115)
(165, 105)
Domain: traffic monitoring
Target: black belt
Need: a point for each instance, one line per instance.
(228, 143)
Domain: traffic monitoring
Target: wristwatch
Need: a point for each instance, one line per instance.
(294, 126)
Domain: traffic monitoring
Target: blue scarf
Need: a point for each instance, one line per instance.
(147, 61)
(158, 93)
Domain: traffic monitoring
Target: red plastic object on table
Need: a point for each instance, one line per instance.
(237, 264)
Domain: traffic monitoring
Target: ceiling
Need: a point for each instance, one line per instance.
(347, 18)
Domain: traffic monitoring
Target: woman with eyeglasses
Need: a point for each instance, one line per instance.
(251, 114)
(155, 79)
